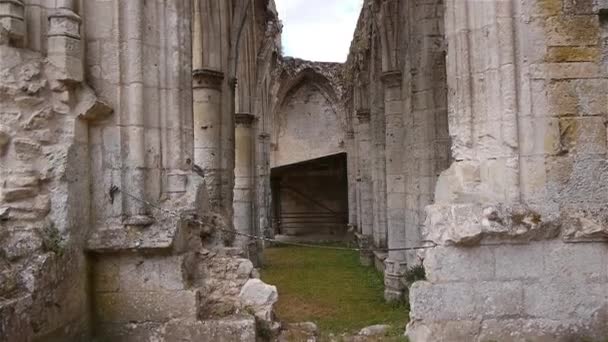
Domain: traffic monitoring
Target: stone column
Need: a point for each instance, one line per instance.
(364, 184)
(482, 103)
(207, 108)
(352, 178)
(395, 264)
(132, 130)
(243, 186)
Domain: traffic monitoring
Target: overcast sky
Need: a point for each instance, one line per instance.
(318, 30)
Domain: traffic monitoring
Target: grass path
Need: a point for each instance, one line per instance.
(329, 288)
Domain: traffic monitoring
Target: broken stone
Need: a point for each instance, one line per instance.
(21, 244)
(22, 182)
(4, 213)
(26, 149)
(260, 297)
(308, 327)
(468, 224)
(16, 194)
(585, 225)
(30, 209)
(245, 269)
(375, 330)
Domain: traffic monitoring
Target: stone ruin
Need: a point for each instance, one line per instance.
(137, 137)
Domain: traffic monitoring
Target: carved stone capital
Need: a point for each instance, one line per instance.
(244, 119)
(350, 134)
(207, 78)
(64, 47)
(363, 115)
(395, 268)
(64, 22)
(12, 13)
(392, 78)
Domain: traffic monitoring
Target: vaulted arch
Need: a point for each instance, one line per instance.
(308, 120)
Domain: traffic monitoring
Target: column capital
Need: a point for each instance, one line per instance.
(12, 21)
(391, 78)
(350, 134)
(207, 78)
(244, 119)
(363, 115)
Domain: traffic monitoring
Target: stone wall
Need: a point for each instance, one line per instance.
(45, 108)
(308, 122)
(519, 218)
(110, 225)
(396, 76)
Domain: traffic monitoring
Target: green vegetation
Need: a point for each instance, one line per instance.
(52, 241)
(331, 289)
(415, 273)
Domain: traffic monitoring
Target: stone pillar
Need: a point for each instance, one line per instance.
(132, 125)
(482, 103)
(12, 22)
(395, 264)
(207, 108)
(364, 185)
(264, 194)
(243, 186)
(352, 178)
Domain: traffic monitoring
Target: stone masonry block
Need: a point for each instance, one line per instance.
(541, 136)
(565, 298)
(581, 97)
(560, 54)
(520, 261)
(572, 30)
(578, 7)
(238, 328)
(145, 306)
(583, 135)
(558, 71)
(457, 301)
(106, 276)
(574, 261)
(460, 264)
(499, 298)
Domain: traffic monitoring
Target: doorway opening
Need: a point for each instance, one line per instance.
(310, 200)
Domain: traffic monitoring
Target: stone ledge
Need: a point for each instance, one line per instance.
(123, 238)
(233, 328)
(470, 224)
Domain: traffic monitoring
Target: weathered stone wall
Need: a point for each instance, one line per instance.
(44, 174)
(523, 92)
(308, 122)
(396, 77)
(520, 215)
(84, 171)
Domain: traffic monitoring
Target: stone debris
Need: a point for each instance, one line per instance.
(260, 297)
(375, 330)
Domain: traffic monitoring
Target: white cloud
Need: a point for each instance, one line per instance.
(319, 30)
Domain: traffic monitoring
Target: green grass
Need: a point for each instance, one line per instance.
(331, 289)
